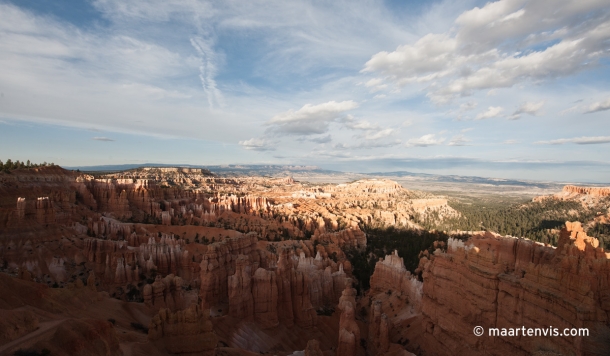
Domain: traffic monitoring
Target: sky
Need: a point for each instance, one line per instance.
(508, 89)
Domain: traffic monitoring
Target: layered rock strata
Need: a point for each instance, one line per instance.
(390, 274)
(595, 191)
(258, 286)
(502, 282)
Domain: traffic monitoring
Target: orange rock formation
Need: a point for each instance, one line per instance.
(595, 191)
(499, 282)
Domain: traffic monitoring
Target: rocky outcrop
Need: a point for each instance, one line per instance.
(21, 206)
(119, 263)
(241, 303)
(287, 290)
(378, 341)
(185, 332)
(313, 348)
(504, 282)
(304, 313)
(350, 238)
(349, 333)
(348, 296)
(390, 274)
(164, 293)
(594, 191)
(110, 197)
(45, 214)
(218, 264)
(265, 295)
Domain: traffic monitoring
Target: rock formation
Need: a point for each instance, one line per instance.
(270, 252)
(265, 295)
(120, 263)
(348, 296)
(186, 332)
(241, 303)
(390, 274)
(164, 293)
(595, 191)
(378, 341)
(313, 348)
(218, 264)
(349, 333)
(503, 282)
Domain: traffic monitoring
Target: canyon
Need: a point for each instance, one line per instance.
(182, 261)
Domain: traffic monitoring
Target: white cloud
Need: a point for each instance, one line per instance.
(531, 108)
(310, 119)
(577, 140)
(208, 68)
(379, 134)
(257, 144)
(511, 142)
(503, 43)
(598, 106)
(459, 140)
(425, 141)
(407, 123)
(492, 111)
(375, 84)
(105, 139)
(360, 125)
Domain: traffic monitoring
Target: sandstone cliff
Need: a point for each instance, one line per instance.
(595, 191)
(493, 281)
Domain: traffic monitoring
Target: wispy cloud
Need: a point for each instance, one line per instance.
(379, 134)
(492, 111)
(532, 108)
(208, 68)
(258, 144)
(459, 140)
(577, 140)
(425, 141)
(598, 106)
(105, 139)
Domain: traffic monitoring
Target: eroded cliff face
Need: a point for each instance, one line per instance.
(595, 199)
(186, 332)
(265, 257)
(499, 282)
(267, 287)
(595, 191)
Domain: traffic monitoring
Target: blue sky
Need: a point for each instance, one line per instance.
(502, 89)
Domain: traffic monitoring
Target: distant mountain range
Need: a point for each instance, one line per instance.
(304, 171)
